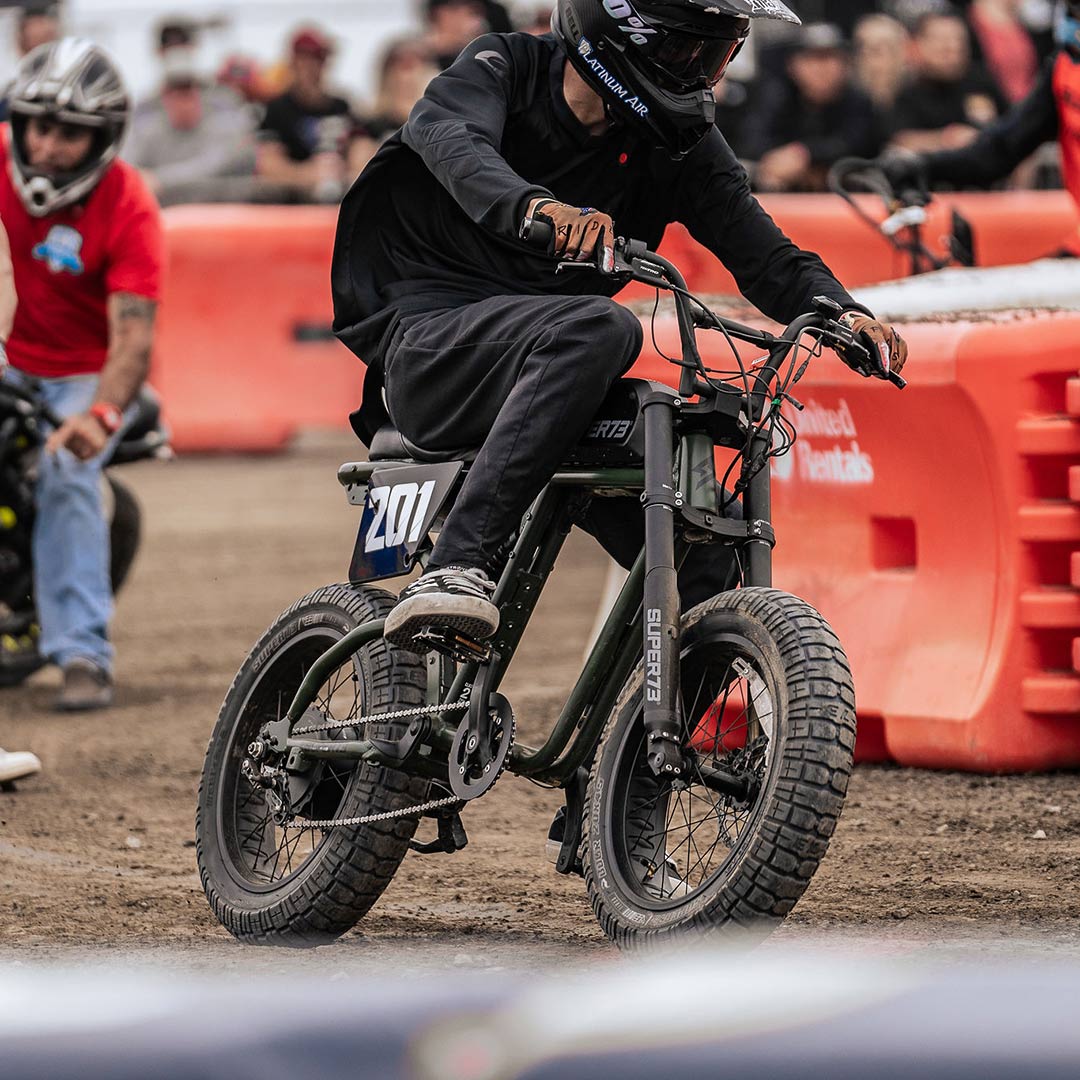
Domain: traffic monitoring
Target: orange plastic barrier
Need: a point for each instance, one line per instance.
(1009, 227)
(938, 529)
(244, 357)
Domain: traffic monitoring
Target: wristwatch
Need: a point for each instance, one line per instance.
(108, 415)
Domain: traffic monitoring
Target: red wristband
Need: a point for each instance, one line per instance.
(108, 415)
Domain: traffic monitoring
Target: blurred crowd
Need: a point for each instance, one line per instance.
(855, 79)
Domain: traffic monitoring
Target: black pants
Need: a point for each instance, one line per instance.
(521, 377)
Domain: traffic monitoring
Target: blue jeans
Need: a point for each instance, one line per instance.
(71, 539)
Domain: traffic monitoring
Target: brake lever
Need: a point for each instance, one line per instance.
(839, 334)
(608, 262)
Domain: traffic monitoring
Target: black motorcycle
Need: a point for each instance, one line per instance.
(24, 423)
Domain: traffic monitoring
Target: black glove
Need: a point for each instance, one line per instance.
(886, 349)
(908, 174)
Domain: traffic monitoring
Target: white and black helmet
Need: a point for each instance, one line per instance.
(71, 81)
(655, 62)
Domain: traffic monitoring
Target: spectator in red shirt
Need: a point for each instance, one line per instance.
(87, 249)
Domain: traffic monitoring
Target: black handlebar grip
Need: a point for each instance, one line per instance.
(539, 233)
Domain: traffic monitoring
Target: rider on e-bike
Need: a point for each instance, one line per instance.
(471, 340)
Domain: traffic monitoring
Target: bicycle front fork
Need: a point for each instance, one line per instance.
(660, 687)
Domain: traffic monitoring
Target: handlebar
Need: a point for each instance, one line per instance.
(634, 261)
(905, 206)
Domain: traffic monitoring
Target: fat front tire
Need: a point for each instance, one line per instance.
(274, 886)
(769, 732)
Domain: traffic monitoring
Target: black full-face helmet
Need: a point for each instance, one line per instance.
(655, 62)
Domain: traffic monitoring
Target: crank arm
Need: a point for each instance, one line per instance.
(349, 749)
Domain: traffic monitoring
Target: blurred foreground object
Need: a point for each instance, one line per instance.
(796, 1014)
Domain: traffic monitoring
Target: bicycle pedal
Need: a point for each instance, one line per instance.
(454, 645)
(451, 838)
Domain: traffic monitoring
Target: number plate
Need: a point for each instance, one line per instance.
(402, 504)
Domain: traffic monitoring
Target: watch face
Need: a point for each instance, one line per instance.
(109, 415)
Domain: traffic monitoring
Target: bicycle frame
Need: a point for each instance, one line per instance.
(618, 648)
(677, 485)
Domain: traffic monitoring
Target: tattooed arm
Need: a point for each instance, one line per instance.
(131, 338)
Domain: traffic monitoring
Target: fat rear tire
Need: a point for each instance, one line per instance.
(769, 863)
(348, 871)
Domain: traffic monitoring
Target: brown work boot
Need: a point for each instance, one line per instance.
(86, 687)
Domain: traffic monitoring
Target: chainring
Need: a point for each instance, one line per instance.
(474, 771)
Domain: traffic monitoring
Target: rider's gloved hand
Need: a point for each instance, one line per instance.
(886, 348)
(907, 172)
(577, 230)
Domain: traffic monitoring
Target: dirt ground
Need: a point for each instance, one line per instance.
(98, 851)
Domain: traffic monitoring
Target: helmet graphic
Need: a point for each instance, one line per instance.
(71, 81)
(655, 62)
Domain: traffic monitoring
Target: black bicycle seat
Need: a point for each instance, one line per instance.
(389, 444)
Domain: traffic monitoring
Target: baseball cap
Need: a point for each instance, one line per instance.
(820, 37)
(312, 42)
(176, 32)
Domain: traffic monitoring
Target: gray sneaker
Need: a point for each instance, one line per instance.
(86, 687)
(454, 598)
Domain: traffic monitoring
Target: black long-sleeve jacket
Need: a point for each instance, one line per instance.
(433, 221)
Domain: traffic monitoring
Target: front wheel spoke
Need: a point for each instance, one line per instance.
(685, 842)
(691, 844)
(692, 838)
(704, 861)
(692, 711)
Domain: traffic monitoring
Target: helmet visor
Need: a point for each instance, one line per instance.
(685, 60)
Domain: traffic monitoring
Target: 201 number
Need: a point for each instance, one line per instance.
(400, 513)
